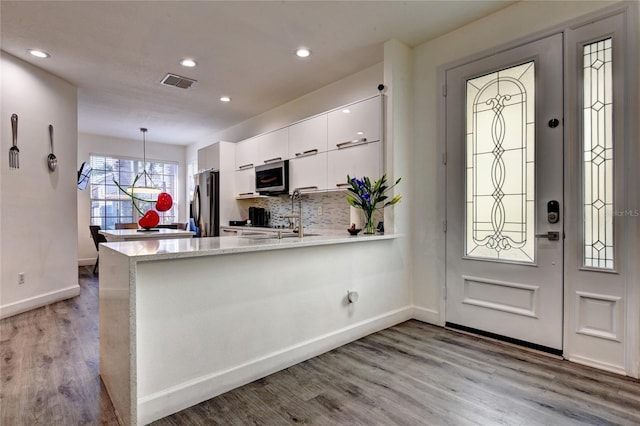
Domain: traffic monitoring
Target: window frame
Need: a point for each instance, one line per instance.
(107, 221)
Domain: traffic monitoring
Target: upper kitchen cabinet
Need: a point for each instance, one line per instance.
(354, 123)
(308, 172)
(247, 153)
(355, 161)
(308, 137)
(217, 156)
(273, 146)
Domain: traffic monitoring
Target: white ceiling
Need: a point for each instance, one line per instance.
(116, 53)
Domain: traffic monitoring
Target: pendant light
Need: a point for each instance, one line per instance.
(144, 184)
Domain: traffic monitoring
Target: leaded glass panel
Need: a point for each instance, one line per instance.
(500, 165)
(598, 155)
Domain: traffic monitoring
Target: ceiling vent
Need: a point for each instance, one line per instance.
(177, 81)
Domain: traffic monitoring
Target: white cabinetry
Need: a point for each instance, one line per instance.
(247, 153)
(209, 157)
(321, 150)
(273, 146)
(245, 182)
(355, 161)
(354, 142)
(247, 156)
(355, 122)
(307, 153)
(308, 136)
(308, 172)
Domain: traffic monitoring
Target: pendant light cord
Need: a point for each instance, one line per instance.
(144, 154)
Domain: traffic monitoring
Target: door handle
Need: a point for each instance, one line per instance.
(551, 235)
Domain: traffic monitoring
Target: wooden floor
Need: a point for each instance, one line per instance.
(411, 374)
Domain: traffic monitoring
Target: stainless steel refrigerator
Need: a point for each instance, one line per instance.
(206, 203)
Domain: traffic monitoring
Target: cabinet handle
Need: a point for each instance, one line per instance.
(246, 166)
(351, 143)
(307, 153)
(230, 230)
(307, 187)
(272, 160)
(245, 193)
(341, 185)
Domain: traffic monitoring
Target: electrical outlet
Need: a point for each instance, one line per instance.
(320, 211)
(20, 278)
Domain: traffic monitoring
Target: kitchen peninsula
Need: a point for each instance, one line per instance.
(184, 320)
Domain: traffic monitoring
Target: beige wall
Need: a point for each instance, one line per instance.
(38, 234)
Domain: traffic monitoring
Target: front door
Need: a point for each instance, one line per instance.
(504, 211)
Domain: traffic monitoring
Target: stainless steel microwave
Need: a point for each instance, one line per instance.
(273, 178)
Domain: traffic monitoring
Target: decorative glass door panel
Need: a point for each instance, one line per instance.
(500, 164)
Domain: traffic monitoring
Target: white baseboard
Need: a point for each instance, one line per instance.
(38, 301)
(430, 316)
(597, 364)
(160, 404)
(87, 262)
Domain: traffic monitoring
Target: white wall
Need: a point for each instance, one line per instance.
(95, 144)
(38, 223)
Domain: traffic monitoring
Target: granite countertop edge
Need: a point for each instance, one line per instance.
(180, 248)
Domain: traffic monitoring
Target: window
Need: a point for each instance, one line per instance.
(598, 155)
(109, 205)
(500, 156)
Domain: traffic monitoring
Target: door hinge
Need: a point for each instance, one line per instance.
(444, 226)
(444, 158)
(444, 90)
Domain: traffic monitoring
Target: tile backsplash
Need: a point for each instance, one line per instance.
(320, 210)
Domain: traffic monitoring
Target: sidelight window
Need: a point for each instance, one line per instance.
(598, 155)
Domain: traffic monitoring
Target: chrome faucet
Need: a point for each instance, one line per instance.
(297, 195)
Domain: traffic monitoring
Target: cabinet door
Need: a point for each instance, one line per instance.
(355, 122)
(245, 181)
(247, 153)
(308, 136)
(356, 161)
(308, 172)
(209, 157)
(274, 146)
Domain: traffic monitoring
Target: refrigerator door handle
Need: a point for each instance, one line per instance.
(196, 205)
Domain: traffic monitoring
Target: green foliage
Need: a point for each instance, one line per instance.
(369, 197)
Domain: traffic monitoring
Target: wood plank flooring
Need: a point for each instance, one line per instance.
(411, 374)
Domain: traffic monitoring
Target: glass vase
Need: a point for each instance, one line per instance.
(368, 227)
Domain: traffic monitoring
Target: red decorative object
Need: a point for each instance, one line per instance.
(149, 220)
(164, 202)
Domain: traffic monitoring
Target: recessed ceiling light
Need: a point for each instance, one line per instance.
(188, 62)
(303, 52)
(38, 53)
(225, 99)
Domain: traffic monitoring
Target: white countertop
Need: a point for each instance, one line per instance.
(195, 247)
